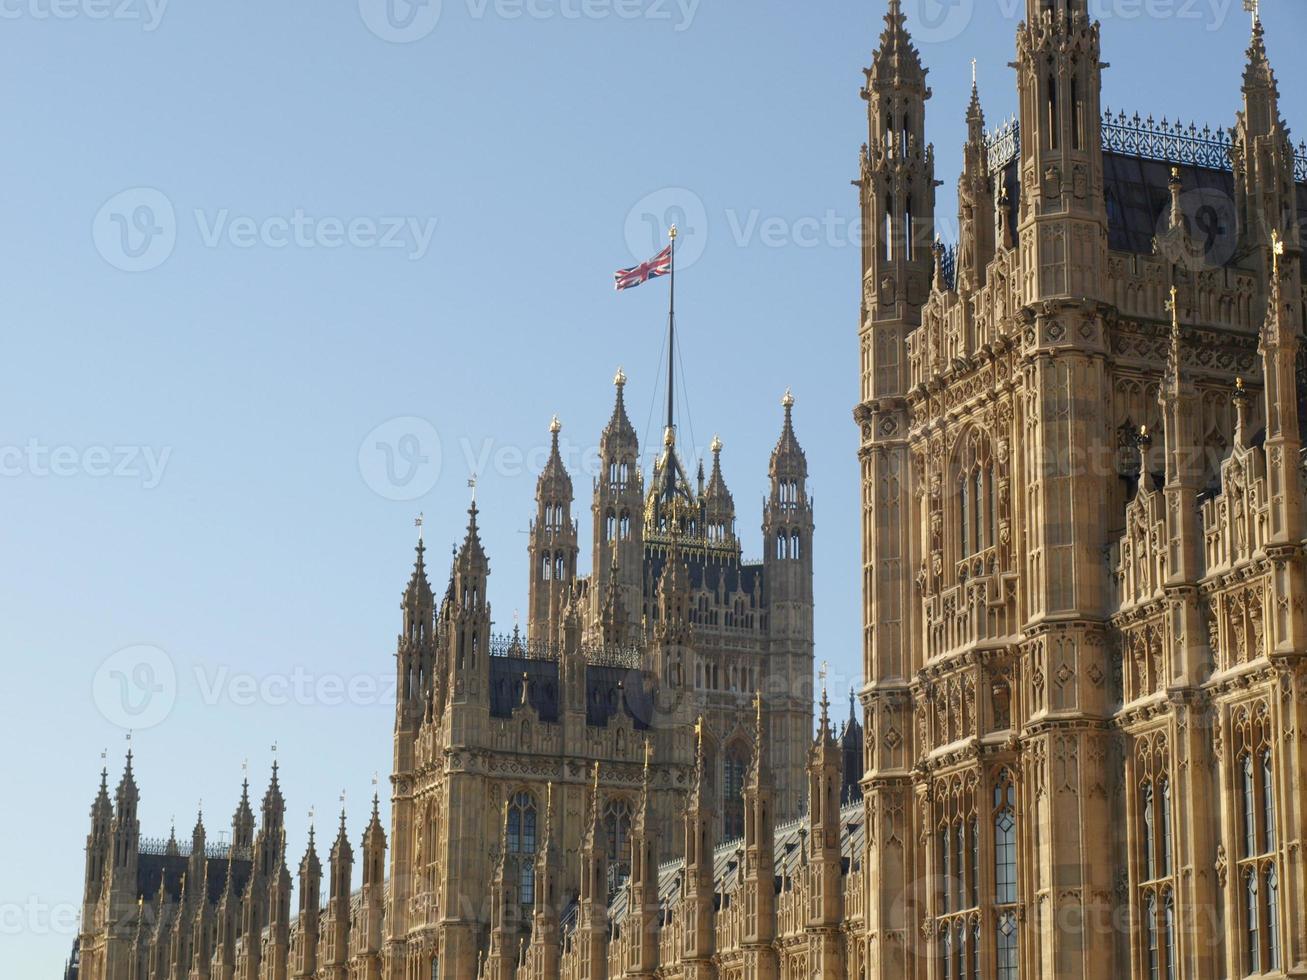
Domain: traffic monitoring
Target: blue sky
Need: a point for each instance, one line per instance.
(403, 231)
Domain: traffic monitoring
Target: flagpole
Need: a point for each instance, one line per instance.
(671, 334)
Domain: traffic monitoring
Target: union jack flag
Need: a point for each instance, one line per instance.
(659, 265)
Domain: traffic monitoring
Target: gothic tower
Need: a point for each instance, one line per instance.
(553, 550)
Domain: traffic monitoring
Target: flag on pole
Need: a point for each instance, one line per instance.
(659, 265)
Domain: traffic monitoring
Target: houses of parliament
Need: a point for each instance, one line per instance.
(1080, 747)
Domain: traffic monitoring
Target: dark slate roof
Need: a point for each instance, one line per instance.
(739, 576)
(170, 867)
(506, 686)
(610, 691)
(1138, 198)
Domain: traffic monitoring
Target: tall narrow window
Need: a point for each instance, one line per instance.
(964, 502)
(889, 228)
(1268, 801)
(1005, 840)
(975, 863)
(1150, 839)
(1052, 112)
(1252, 917)
(1154, 956)
(1168, 924)
(909, 231)
(733, 768)
(973, 951)
(1273, 916)
(945, 870)
(1006, 946)
(1249, 802)
(1165, 816)
(521, 834)
(1075, 113)
(978, 503)
(960, 949)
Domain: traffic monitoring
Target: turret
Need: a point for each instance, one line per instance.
(1280, 341)
(759, 874)
(367, 936)
(717, 506)
(897, 193)
(308, 928)
(592, 916)
(697, 904)
(618, 509)
(976, 212)
(99, 848)
(505, 912)
(826, 894)
(277, 956)
(242, 823)
(201, 932)
(336, 923)
(787, 533)
(553, 548)
(645, 910)
(419, 695)
(1063, 217)
(1263, 159)
(469, 637)
(225, 927)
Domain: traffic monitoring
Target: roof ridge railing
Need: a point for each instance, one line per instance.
(1168, 141)
(533, 648)
(164, 846)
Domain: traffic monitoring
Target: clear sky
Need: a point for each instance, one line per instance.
(237, 238)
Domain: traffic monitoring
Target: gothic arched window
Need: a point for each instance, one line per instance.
(521, 838)
(734, 766)
(617, 834)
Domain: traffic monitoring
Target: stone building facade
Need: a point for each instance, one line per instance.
(1084, 716)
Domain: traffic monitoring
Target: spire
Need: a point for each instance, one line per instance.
(788, 457)
(554, 482)
(127, 795)
(274, 805)
(417, 594)
(242, 821)
(975, 114)
(619, 434)
(472, 554)
(897, 58)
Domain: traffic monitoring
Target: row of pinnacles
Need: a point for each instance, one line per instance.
(226, 911)
(770, 904)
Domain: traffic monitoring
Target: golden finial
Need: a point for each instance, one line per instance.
(1238, 385)
(787, 400)
(619, 379)
(698, 733)
(716, 446)
(555, 426)
(1277, 250)
(1143, 432)
(672, 233)
(648, 753)
(669, 437)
